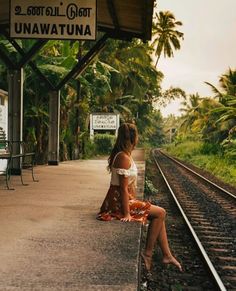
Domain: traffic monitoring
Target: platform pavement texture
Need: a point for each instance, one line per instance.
(50, 239)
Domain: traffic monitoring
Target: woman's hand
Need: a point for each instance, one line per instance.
(126, 218)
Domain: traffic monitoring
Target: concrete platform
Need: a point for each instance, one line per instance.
(50, 239)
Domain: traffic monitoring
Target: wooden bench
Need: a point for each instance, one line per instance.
(26, 159)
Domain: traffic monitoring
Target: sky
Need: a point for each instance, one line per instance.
(208, 49)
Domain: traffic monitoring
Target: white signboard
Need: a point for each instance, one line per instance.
(53, 19)
(104, 121)
(3, 116)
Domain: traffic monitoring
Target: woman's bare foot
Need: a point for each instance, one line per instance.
(172, 260)
(147, 261)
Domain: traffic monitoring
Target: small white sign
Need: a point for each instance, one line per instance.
(3, 116)
(53, 19)
(104, 121)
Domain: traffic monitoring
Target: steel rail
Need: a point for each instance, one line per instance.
(198, 242)
(199, 175)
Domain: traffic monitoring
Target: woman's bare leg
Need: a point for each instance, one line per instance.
(156, 217)
(168, 258)
(157, 231)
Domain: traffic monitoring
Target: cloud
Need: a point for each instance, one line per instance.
(209, 45)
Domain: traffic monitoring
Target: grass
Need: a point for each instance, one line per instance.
(218, 165)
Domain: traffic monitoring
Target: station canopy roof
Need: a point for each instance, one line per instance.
(122, 19)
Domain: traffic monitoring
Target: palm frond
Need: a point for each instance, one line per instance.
(214, 89)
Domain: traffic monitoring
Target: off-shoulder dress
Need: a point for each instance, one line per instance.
(112, 205)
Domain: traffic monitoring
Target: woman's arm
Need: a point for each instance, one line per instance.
(123, 162)
(125, 198)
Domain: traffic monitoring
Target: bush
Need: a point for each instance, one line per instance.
(210, 148)
(104, 143)
(208, 157)
(89, 149)
(184, 150)
(149, 188)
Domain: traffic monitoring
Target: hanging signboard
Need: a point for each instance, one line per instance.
(104, 121)
(53, 19)
(3, 117)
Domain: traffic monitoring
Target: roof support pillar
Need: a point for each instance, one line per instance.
(15, 114)
(54, 124)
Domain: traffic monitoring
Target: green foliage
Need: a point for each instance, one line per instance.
(149, 188)
(210, 148)
(151, 131)
(212, 120)
(230, 153)
(184, 150)
(3, 74)
(229, 144)
(89, 150)
(172, 93)
(121, 79)
(217, 164)
(104, 143)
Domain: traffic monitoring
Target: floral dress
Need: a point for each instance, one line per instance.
(112, 205)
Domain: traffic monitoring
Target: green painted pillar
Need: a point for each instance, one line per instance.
(15, 114)
(54, 124)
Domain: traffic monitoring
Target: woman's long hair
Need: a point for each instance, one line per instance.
(126, 140)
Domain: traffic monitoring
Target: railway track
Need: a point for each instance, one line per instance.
(209, 212)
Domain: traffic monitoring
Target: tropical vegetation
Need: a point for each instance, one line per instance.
(205, 134)
(121, 79)
(166, 36)
(124, 79)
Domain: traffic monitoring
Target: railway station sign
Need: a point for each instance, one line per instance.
(53, 19)
(3, 117)
(104, 121)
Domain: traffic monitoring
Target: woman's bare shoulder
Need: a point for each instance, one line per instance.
(122, 161)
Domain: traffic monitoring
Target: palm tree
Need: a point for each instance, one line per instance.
(227, 98)
(136, 83)
(167, 36)
(227, 89)
(196, 112)
(228, 82)
(190, 104)
(190, 108)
